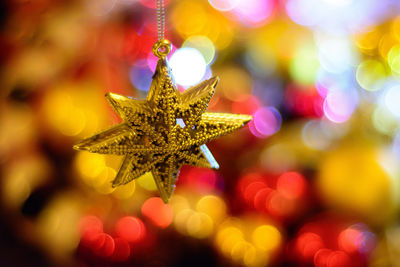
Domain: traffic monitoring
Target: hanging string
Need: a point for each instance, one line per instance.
(162, 47)
(160, 19)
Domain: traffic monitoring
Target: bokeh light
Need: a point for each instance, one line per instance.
(392, 98)
(253, 13)
(146, 181)
(370, 75)
(214, 206)
(339, 105)
(336, 53)
(351, 187)
(158, 212)
(266, 122)
(141, 77)
(130, 228)
(202, 44)
(308, 244)
(107, 246)
(196, 18)
(394, 59)
(188, 66)
(384, 120)
(314, 136)
(335, 16)
(224, 5)
(304, 65)
(266, 237)
(291, 184)
(90, 228)
(350, 240)
(249, 248)
(235, 83)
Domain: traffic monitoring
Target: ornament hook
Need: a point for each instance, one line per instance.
(162, 48)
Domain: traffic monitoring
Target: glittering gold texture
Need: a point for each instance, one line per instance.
(163, 132)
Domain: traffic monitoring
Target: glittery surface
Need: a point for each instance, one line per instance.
(167, 130)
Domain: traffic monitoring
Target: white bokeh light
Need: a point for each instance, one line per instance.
(336, 53)
(188, 66)
(337, 16)
(392, 100)
(224, 5)
(339, 105)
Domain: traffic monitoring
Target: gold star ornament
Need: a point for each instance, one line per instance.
(167, 130)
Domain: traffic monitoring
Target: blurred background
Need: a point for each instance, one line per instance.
(312, 180)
